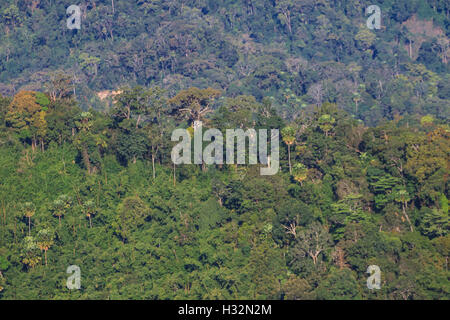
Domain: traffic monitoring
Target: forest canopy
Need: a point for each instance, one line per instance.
(86, 176)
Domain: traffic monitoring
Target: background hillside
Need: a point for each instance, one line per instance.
(297, 52)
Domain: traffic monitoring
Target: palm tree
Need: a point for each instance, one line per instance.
(84, 125)
(29, 211)
(357, 99)
(288, 136)
(45, 240)
(90, 210)
(326, 123)
(60, 206)
(58, 209)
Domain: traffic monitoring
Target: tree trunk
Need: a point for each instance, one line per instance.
(86, 160)
(174, 177)
(138, 121)
(153, 166)
(404, 206)
(33, 144)
(29, 226)
(4, 213)
(287, 15)
(410, 49)
(203, 166)
(289, 156)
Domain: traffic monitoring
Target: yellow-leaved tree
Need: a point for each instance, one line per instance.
(26, 114)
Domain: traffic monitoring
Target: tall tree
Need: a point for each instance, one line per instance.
(312, 241)
(29, 209)
(90, 209)
(60, 206)
(26, 114)
(194, 104)
(45, 239)
(402, 196)
(288, 136)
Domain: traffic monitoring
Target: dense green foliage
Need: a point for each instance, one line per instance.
(99, 191)
(364, 150)
(296, 52)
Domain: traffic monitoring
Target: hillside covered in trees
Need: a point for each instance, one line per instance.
(86, 176)
(296, 52)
